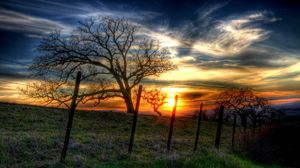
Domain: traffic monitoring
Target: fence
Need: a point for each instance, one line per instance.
(134, 122)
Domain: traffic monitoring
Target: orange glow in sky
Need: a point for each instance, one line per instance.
(188, 101)
(171, 95)
(252, 48)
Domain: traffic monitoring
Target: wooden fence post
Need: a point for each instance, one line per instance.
(70, 118)
(219, 127)
(172, 124)
(198, 127)
(233, 131)
(135, 115)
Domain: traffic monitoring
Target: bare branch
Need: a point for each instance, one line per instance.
(107, 49)
(156, 98)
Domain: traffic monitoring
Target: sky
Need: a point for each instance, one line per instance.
(215, 44)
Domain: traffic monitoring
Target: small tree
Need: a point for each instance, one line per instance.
(112, 55)
(156, 98)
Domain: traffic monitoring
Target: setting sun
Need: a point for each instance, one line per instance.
(171, 102)
(110, 83)
(171, 95)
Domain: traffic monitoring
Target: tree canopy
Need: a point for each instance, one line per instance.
(112, 55)
(244, 103)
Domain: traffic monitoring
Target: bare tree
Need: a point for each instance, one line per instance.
(244, 103)
(112, 55)
(250, 108)
(156, 98)
(260, 112)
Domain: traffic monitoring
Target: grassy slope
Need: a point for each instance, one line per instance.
(32, 137)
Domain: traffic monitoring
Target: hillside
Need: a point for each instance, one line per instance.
(33, 137)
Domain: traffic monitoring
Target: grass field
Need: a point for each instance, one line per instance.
(33, 137)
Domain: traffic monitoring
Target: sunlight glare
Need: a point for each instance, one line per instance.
(171, 102)
(171, 95)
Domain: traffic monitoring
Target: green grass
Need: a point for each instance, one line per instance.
(33, 137)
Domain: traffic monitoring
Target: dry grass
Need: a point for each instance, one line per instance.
(32, 137)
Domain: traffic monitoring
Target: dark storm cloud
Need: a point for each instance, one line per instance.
(212, 83)
(193, 95)
(261, 59)
(257, 57)
(222, 64)
(12, 75)
(13, 70)
(195, 83)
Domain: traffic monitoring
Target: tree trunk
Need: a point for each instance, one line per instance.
(128, 101)
(244, 124)
(233, 132)
(129, 105)
(158, 112)
(254, 126)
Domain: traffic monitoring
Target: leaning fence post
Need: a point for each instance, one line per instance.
(135, 115)
(219, 127)
(233, 131)
(172, 124)
(198, 127)
(70, 118)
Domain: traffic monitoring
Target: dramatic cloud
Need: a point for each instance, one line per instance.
(198, 28)
(15, 21)
(56, 9)
(231, 36)
(262, 57)
(212, 42)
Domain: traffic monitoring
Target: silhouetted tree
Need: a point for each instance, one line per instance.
(243, 102)
(260, 112)
(156, 98)
(112, 55)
